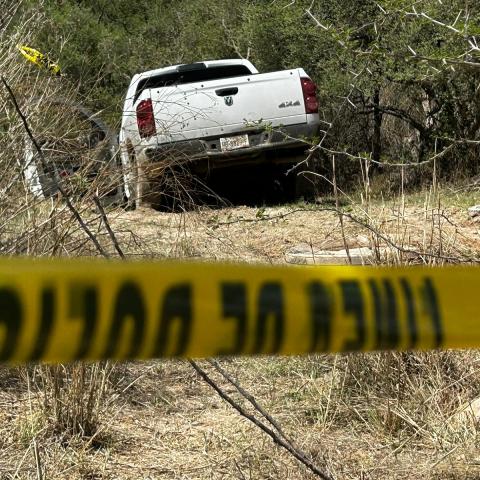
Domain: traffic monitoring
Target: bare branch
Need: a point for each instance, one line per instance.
(280, 441)
(60, 188)
(108, 227)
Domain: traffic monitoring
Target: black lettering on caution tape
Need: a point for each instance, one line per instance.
(411, 314)
(234, 309)
(386, 315)
(432, 307)
(353, 305)
(177, 307)
(321, 309)
(129, 307)
(47, 317)
(11, 318)
(386, 301)
(270, 308)
(83, 306)
(380, 313)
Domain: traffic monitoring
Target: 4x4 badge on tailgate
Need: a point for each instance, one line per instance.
(228, 101)
(290, 103)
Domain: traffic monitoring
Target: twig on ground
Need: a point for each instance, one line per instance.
(300, 456)
(250, 398)
(38, 464)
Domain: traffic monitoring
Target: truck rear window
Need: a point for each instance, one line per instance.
(191, 76)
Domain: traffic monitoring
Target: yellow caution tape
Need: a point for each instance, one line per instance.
(39, 59)
(57, 310)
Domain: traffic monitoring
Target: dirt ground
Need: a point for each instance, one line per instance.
(356, 416)
(418, 223)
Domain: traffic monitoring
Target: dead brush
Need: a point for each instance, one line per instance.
(34, 218)
(412, 396)
(75, 400)
(73, 397)
(409, 400)
(170, 183)
(49, 198)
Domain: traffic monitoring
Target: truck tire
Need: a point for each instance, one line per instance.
(129, 176)
(305, 185)
(282, 184)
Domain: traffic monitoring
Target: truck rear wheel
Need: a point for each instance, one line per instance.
(129, 176)
(305, 182)
(282, 184)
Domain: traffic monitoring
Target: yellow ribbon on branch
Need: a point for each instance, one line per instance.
(39, 59)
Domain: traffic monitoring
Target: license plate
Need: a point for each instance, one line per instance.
(234, 143)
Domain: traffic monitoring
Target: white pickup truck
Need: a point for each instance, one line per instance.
(212, 114)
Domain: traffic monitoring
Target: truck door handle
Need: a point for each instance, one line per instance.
(226, 92)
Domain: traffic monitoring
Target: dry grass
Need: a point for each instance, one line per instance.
(350, 413)
(268, 234)
(360, 416)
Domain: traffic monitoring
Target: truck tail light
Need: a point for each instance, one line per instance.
(146, 119)
(309, 95)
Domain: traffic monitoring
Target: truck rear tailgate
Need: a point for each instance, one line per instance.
(227, 106)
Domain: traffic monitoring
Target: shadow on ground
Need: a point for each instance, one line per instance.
(266, 184)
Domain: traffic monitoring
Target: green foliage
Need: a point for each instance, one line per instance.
(101, 44)
(402, 66)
